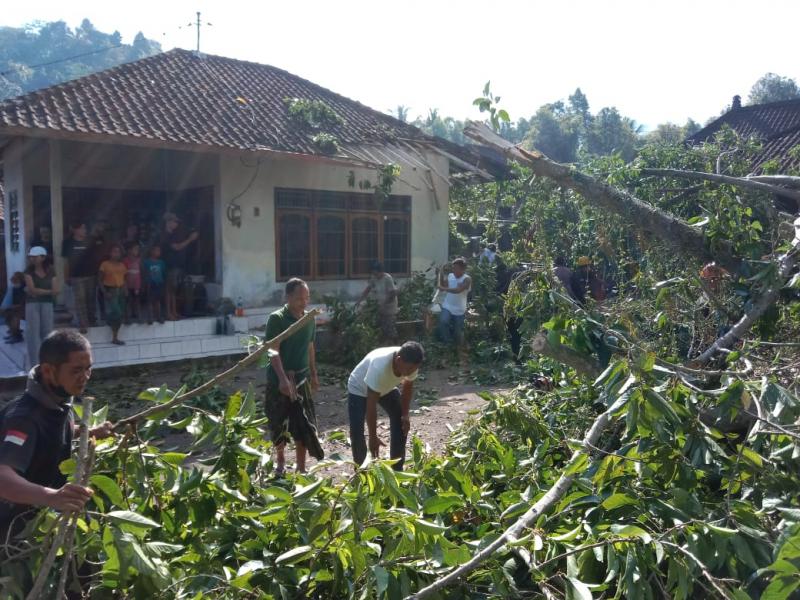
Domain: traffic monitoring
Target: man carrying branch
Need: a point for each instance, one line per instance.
(37, 429)
(291, 381)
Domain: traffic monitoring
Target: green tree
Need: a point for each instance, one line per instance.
(670, 133)
(401, 113)
(62, 54)
(773, 88)
(612, 133)
(554, 132)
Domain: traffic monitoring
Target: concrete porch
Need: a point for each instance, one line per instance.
(156, 343)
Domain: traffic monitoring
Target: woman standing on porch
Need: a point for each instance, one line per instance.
(41, 286)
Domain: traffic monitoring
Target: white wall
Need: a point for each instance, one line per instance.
(247, 259)
(248, 253)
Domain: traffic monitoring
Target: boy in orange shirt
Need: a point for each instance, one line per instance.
(112, 280)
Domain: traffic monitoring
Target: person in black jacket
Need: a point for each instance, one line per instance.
(36, 432)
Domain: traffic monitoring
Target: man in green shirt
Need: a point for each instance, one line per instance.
(291, 380)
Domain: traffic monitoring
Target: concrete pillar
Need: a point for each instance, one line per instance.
(17, 199)
(57, 208)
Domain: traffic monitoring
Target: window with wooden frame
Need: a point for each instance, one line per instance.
(339, 235)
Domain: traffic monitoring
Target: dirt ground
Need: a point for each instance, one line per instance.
(442, 401)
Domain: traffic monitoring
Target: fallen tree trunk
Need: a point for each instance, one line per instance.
(743, 182)
(670, 230)
(545, 503)
(210, 384)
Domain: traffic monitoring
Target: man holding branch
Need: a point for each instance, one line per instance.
(37, 430)
(291, 381)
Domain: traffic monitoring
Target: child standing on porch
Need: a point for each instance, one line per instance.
(133, 280)
(112, 279)
(155, 272)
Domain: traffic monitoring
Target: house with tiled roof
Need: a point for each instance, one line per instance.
(775, 124)
(276, 174)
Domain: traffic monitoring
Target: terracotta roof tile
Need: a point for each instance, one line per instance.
(182, 97)
(776, 125)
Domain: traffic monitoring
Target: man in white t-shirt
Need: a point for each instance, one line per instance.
(454, 307)
(374, 381)
(382, 285)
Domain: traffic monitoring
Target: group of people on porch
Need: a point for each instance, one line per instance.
(118, 280)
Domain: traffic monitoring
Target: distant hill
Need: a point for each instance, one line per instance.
(63, 54)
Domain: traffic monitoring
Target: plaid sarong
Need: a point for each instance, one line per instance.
(293, 419)
(84, 294)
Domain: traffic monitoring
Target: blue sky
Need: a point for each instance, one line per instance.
(654, 60)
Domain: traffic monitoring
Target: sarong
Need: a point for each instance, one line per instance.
(293, 419)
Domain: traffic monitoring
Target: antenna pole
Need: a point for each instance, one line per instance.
(198, 31)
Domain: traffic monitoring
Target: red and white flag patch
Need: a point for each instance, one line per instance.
(15, 437)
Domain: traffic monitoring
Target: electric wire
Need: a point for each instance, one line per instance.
(60, 60)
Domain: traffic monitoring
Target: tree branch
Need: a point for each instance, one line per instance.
(670, 230)
(584, 365)
(785, 180)
(742, 182)
(785, 266)
(546, 502)
(208, 385)
(66, 524)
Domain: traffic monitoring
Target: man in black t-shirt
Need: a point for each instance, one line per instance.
(175, 242)
(36, 432)
(80, 274)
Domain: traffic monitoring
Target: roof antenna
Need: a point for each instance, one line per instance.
(198, 25)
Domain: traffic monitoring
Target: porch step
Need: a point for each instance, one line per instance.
(161, 349)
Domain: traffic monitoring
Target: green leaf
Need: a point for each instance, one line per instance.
(173, 458)
(381, 579)
(577, 464)
(109, 487)
(128, 517)
(723, 531)
(617, 500)
(67, 467)
(441, 503)
(631, 531)
(429, 528)
(581, 590)
(277, 492)
(294, 555)
(302, 493)
(781, 587)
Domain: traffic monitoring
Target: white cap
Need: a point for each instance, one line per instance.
(37, 251)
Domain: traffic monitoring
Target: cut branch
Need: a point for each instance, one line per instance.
(784, 180)
(545, 503)
(750, 183)
(584, 365)
(785, 266)
(66, 521)
(670, 230)
(210, 384)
